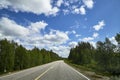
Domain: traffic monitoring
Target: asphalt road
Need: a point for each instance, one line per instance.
(57, 70)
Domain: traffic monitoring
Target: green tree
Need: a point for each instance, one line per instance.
(21, 59)
(6, 56)
(16, 57)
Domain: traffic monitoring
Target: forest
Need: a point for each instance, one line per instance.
(104, 58)
(15, 57)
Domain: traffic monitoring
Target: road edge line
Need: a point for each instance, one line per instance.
(78, 72)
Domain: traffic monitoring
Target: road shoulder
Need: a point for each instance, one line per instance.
(89, 74)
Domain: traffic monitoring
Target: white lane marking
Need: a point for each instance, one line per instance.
(43, 73)
(78, 72)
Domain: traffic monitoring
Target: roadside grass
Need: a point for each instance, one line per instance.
(115, 78)
(89, 72)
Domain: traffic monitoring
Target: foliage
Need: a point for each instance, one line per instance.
(16, 57)
(104, 58)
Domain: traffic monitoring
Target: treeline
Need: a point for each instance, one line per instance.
(16, 57)
(104, 58)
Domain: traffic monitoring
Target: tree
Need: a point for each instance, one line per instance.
(21, 59)
(117, 37)
(6, 56)
(103, 58)
(16, 57)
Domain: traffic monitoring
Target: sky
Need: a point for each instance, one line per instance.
(59, 25)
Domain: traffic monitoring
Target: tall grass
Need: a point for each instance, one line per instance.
(115, 78)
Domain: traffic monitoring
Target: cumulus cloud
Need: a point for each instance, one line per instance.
(86, 39)
(59, 3)
(63, 50)
(56, 37)
(89, 39)
(77, 35)
(37, 26)
(73, 6)
(112, 39)
(80, 10)
(34, 6)
(95, 35)
(93, 43)
(88, 3)
(30, 36)
(65, 11)
(99, 25)
(71, 32)
(73, 44)
(11, 28)
(66, 3)
(47, 7)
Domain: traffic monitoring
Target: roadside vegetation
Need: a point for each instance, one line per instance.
(103, 60)
(14, 57)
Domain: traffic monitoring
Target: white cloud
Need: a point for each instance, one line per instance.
(78, 6)
(11, 28)
(37, 26)
(80, 10)
(52, 12)
(73, 31)
(65, 11)
(77, 35)
(34, 6)
(74, 6)
(99, 25)
(73, 44)
(95, 35)
(77, 11)
(56, 37)
(59, 3)
(93, 43)
(73, 1)
(66, 3)
(88, 3)
(30, 36)
(61, 49)
(90, 39)
(112, 39)
(47, 7)
(86, 39)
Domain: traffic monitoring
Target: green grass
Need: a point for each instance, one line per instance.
(92, 73)
(87, 68)
(115, 78)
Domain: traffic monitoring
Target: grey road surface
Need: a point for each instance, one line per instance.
(57, 70)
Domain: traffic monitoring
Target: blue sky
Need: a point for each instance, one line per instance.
(59, 24)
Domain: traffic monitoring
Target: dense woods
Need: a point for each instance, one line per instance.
(104, 58)
(16, 57)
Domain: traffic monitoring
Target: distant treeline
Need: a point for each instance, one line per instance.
(16, 57)
(104, 58)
